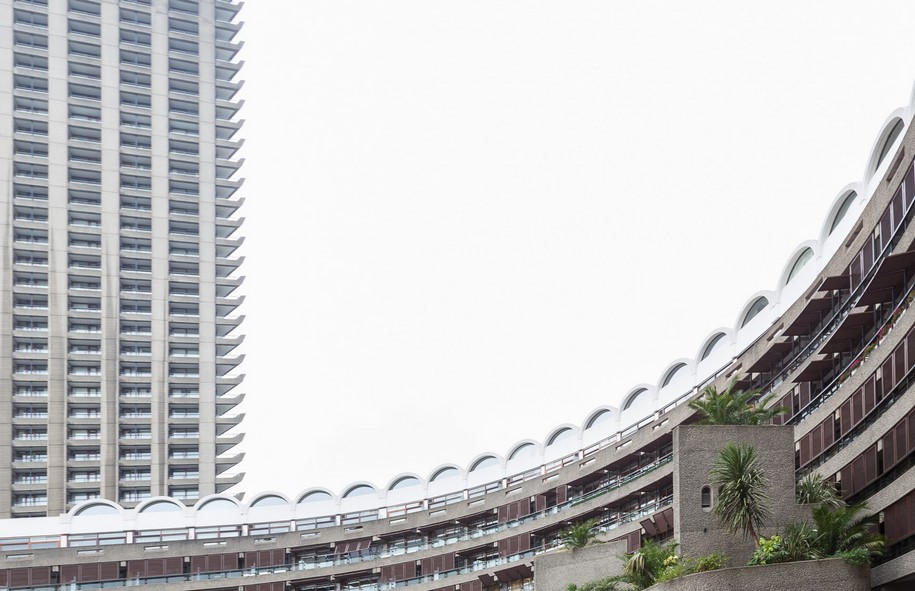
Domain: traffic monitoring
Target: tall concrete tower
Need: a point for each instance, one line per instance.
(118, 224)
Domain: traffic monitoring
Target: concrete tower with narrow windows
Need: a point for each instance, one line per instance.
(118, 224)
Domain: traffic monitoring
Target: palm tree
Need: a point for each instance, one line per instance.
(735, 407)
(841, 531)
(743, 504)
(580, 535)
(643, 566)
(813, 489)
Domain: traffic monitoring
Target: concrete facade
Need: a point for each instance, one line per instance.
(118, 215)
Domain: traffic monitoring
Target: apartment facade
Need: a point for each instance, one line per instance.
(118, 224)
(834, 341)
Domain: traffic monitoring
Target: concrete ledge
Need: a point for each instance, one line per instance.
(833, 574)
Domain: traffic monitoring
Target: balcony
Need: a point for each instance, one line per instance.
(225, 325)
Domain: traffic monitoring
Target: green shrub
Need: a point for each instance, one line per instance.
(712, 561)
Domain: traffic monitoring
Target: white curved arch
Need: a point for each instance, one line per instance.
(831, 228)
(743, 320)
(78, 509)
(798, 261)
(637, 392)
(599, 415)
(475, 464)
(713, 341)
(438, 471)
(146, 504)
(553, 437)
(880, 145)
(350, 488)
(257, 500)
(535, 447)
(219, 504)
(300, 498)
(420, 481)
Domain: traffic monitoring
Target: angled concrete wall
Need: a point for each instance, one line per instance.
(554, 571)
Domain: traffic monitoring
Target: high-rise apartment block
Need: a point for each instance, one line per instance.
(118, 228)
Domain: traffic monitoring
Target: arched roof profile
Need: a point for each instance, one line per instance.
(485, 460)
(599, 416)
(522, 448)
(675, 369)
(311, 495)
(269, 499)
(217, 502)
(635, 393)
(890, 133)
(445, 472)
(800, 257)
(719, 337)
(359, 488)
(405, 480)
(96, 508)
(754, 306)
(159, 505)
(561, 433)
(843, 203)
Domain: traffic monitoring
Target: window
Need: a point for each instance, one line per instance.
(135, 79)
(136, 120)
(30, 83)
(27, 17)
(130, 140)
(799, 263)
(135, 58)
(843, 209)
(84, 49)
(133, 99)
(182, 26)
(135, 17)
(35, 62)
(34, 149)
(30, 105)
(30, 126)
(633, 397)
(84, 28)
(85, 6)
(135, 37)
(673, 372)
(85, 113)
(758, 305)
(712, 345)
(706, 498)
(85, 134)
(894, 132)
(85, 71)
(24, 39)
(358, 491)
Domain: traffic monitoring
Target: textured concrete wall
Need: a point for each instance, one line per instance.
(812, 575)
(698, 530)
(554, 571)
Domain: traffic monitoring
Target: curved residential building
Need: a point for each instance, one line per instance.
(833, 339)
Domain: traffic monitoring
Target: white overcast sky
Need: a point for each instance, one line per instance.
(468, 222)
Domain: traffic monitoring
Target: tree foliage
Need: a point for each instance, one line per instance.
(580, 534)
(836, 532)
(743, 503)
(735, 407)
(813, 489)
